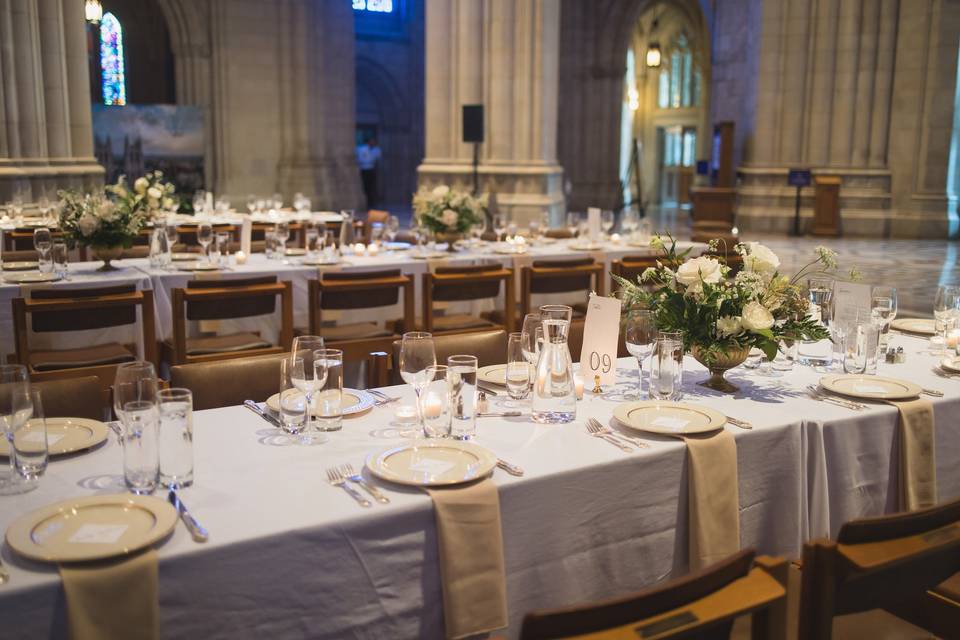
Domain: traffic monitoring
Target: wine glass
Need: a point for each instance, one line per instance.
(640, 334)
(532, 337)
(392, 228)
(251, 203)
(573, 223)
(134, 382)
(944, 305)
(607, 220)
(629, 222)
(417, 354)
(282, 231)
(303, 348)
(205, 237)
(500, 225)
(16, 407)
(277, 201)
(199, 202)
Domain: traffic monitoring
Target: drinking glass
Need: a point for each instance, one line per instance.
(417, 354)
(277, 201)
(270, 244)
(328, 371)
(42, 241)
(30, 442)
(61, 264)
(462, 376)
(205, 237)
(754, 358)
(392, 228)
(15, 408)
(882, 310)
(199, 202)
(629, 222)
(170, 228)
(786, 355)
(311, 232)
(141, 453)
(303, 378)
(293, 406)
(282, 231)
(376, 233)
(133, 381)
(640, 335)
(573, 223)
(500, 225)
(820, 294)
(434, 402)
(663, 375)
(175, 411)
(222, 242)
(860, 346)
(607, 220)
(678, 351)
(251, 203)
(946, 301)
(518, 367)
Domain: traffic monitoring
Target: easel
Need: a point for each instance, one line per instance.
(633, 171)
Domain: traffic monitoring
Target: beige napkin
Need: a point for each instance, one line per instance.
(918, 467)
(113, 599)
(713, 498)
(471, 558)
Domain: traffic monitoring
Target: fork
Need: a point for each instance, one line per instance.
(944, 374)
(932, 392)
(818, 394)
(616, 434)
(4, 576)
(335, 478)
(596, 430)
(347, 471)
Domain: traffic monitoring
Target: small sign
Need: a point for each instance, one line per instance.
(601, 334)
(799, 177)
(848, 299)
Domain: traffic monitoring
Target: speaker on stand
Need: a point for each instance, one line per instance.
(473, 133)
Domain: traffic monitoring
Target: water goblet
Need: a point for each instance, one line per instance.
(205, 237)
(417, 354)
(640, 335)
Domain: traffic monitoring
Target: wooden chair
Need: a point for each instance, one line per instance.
(74, 398)
(630, 268)
(906, 564)
(224, 300)
(60, 310)
(461, 284)
(354, 291)
(561, 276)
(700, 605)
(560, 233)
(24, 255)
(490, 347)
(374, 216)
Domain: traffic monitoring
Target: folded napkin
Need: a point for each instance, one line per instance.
(713, 499)
(471, 558)
(113, 599)
(918, 466)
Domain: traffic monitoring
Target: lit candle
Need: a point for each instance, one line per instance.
(578, 385)
(615, 238)
(359, 248)
(373, 250)
(520, 240)
(406, 413)
(953, 339)
(432, 406)
(241, 257)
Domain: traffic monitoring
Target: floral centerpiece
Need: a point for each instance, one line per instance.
(448, 213)
(723, 316)
(109, 222)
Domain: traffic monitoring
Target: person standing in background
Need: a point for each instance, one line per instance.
(368, 157)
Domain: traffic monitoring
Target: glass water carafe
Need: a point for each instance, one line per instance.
(554, 393)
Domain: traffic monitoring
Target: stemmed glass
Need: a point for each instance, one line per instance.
(308, 373)
(134, 382)
(944, 306)
(629, 222)
(500, 225)
(251, 203)
(392, 228)
(282, 231)
(607, 220)
(199, 202)
(640, 334)
(205, 237)
(573, 223)
(16, 407)
(417, 354)
(531, 337)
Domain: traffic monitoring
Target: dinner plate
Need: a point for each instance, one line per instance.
(319, 263)
(950, 364)
(295, 252)
(870, 387)
(396, 246)
(920, 326)
(669, 418)
(432, 255)
(430, 463)
(198, 266)
(497, 374)
(21, 265)
(184, 257)
(20, 277)
(354, 401)
(510, 249)
(590, 246)
(91, 528)
(69, 435)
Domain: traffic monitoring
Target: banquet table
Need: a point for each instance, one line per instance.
(291, 556)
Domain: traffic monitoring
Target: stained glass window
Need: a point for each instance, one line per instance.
(111, 60)
(378, 6)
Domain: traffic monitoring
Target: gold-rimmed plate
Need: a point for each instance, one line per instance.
(91, 528)
(184, 257)
(429, 255)
(432, 463)
(69, 435)
(21, 265)
(950, 364)
(870, 387)
(669, 418)
(497, 374)
(919, 326)
(198, 266)
(353, 401)
(26, 277)
(585, 246)
(320, 262)
(294, 251)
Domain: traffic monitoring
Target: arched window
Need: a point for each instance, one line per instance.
(111, 61)
(679, 82)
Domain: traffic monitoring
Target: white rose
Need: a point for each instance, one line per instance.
(140, 186)
(441, 190)
(728, 325)
(697, 269)
(154, 193)
(107, 211)
(88, 223)
(761, 259)
(168, 203)
(449, 217)
(756, 317)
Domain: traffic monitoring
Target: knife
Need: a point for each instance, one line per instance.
(512, 469)
(253, 406)
(492, 390)
(499, 414)
(199, 533)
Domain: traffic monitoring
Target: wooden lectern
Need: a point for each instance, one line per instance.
(713, 205)
(826, 206)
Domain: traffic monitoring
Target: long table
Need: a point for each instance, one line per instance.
(291, 556)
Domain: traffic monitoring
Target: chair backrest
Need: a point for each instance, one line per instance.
(701, 605)
(72, 398)
(877, 563)
(490, 347)
(360, 289)
(29, 255)
(562, 233)
(450, 288)
(80, 319)
(257, 302)
(560, 276)
(226, 383)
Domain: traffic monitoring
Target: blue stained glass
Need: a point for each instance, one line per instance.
(378, 6)
(111, 60)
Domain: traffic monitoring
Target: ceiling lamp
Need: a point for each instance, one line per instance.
(653, 55)
(93, 10)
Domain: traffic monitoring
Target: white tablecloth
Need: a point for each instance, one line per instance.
(290, 556)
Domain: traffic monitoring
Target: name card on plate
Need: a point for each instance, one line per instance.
(848, 298)
(601, 334)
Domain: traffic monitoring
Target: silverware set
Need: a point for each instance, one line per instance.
(624, 442)
(381, 398)
(4, 576)
(817, 393)
(197, 532)
(499, 414)
(743, 424)
(342, 475)
(253, 406)
(932, 393)
(512, 469)
(946, 374)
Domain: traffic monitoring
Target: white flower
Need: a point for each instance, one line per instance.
(154, 193)
(88, 223)
(168, 203)
(695, 270)
(752, 283)
(728, 325)
(761, 259)
(441, 190)
(756, 317)
(141, 185)
(449, 217)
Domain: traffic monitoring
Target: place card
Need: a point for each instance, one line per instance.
(431, 467)
(869, 388)
(673, 424)
(601, 334)
(37, 438)
(98, 533)
(848, 299)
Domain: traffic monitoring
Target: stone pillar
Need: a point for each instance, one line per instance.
(502, 54)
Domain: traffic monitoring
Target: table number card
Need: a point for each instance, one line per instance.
(848, 298)
(246, 236)
(593, 223)
(601, 335)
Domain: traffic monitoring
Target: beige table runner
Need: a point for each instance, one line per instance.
(472, 570)
(918, 466)
(114, 599)
(713, 498)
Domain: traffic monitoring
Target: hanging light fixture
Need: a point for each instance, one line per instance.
(653, 49)
(93, 10)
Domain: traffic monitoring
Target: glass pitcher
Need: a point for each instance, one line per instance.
(347, 237)
(554, 392)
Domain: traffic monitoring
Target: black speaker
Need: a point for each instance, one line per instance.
(473, 123)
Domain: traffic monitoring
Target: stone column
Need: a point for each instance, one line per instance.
(502, 54)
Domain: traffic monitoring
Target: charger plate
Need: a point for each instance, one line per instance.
(21, 265)
(20, 277)
(91, 528)
(183, 257)
(354, 401)
(870, 387)
(69, 435)
(669, 418)
(951, 364)
(497, 374)
(198, 266)
(295, 251)
(919, 326)
(432, 463)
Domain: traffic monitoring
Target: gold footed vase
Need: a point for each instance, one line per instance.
(720, 365)
(107, 254)
(451, 238)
